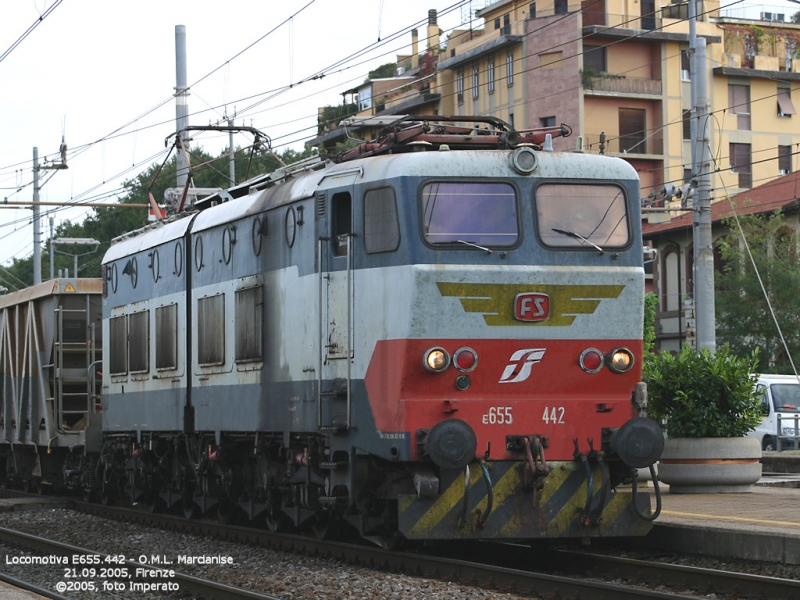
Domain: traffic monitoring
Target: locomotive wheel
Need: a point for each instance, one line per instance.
(226, 514)
(326, 529)
(276, 522)
(190, 509)
(156, 505)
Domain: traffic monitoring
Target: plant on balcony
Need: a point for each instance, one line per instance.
(587, 78)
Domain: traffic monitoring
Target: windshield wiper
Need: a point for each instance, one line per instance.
(578, 236)
(487, 250)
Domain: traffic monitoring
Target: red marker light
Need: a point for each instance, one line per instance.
(465, 359)
(591, 360)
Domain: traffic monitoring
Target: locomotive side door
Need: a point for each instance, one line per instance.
(335, 260)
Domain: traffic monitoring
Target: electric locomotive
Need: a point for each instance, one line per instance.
(437, 336)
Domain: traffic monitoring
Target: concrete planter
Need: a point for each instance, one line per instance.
(710, 465)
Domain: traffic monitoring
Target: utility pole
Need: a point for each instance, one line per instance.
(37, 230)
(231, 157)
(703, 247)
(181, 103)
(37, 233)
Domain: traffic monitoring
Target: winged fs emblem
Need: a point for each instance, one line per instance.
(520, 365)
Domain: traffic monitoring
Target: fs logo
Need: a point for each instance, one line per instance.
(531, 307)
(522, 362)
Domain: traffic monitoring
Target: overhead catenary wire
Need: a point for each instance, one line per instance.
(288, 142)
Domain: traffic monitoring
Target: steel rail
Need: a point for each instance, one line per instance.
(684, 576)
(505, 567)
(415, 564)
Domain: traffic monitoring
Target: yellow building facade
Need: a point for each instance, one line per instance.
(617, 72)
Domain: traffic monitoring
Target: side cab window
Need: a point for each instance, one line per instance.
(764, 400)
(342, 222)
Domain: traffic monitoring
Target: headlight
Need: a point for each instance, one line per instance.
(436, 360)
(787, 431)
(620, 360)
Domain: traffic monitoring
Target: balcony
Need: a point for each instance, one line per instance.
(627, 145)
(648, 22)
(620, 84)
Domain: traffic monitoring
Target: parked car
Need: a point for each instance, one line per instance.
(780, 403)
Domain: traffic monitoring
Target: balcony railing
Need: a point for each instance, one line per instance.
(622, 84)
(648, 22)
(626, 144)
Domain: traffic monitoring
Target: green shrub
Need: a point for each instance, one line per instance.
(649, 336)
(698, 394)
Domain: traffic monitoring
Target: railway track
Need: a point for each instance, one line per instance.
(504, 567)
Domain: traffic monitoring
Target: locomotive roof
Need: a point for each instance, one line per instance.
(415, 146)
(290, 188)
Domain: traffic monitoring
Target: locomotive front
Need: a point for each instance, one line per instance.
(505, 385)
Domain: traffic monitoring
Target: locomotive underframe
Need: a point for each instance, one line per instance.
(287, 484)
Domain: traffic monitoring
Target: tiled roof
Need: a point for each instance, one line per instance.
(779, 193)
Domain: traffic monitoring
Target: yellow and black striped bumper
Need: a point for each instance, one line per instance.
(555, 511)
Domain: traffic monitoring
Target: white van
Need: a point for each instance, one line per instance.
(780, 403)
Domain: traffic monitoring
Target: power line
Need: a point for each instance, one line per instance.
(30, 29)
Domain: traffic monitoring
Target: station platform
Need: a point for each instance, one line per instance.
(762, 525)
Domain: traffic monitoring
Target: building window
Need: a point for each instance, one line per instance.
(785, 106)
(249, 324)
(532, 9)
(460, 86)
(632, 130)
(510, 69)
(740, 163)
(594, 59)
(211, 330)
(739, 104)
(784, 160)
(506, 25)
(687, 176)
(497, 23)
(560, 7)
(490, 75)
(511, 120)
(548, 121)
(475, 82)
(686, 66)
(687, 124)
(551, 60)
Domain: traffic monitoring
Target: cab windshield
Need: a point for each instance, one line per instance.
(470, 213)
(786, 397)
(586, 216)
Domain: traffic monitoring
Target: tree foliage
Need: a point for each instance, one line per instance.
(105, 224)
(650, 308)
(385, 71)
(744, 319)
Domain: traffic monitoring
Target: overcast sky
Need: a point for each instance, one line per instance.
(95, 70)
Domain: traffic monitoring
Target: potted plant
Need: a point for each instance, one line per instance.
(707, 403)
